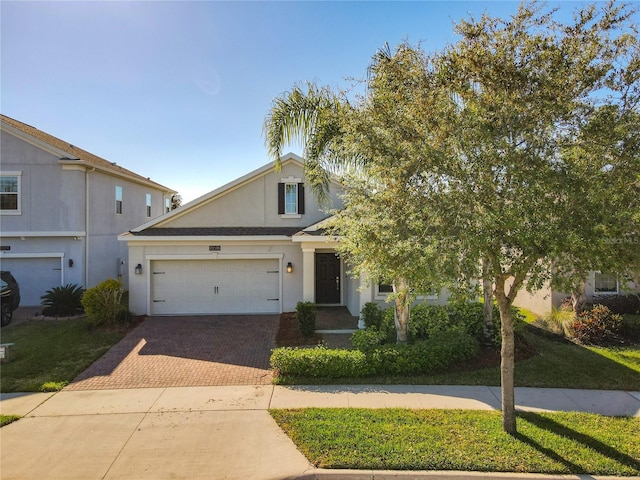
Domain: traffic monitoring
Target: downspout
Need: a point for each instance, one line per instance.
(86, 225)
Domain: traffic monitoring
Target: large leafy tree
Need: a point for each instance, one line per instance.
(511, 157)
(524, 135)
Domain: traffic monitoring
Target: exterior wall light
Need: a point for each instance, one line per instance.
(289, 267)
(138, 269)
(70, 262)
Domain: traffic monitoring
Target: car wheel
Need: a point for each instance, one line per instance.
(6, 315)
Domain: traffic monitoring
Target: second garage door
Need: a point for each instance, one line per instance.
(203, 287)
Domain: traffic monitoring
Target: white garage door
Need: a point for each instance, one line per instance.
(34, 275)
(201, 287)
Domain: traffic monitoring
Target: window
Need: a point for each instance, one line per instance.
(118, 200)
(291, 197)
(10, 192)
(605, 283)
(148, 205)
(167, 204)
(384, 288)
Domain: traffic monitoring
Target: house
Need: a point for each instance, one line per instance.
(598, 285)
(255, 245)
(62, 209)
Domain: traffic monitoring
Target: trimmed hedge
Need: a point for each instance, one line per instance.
(436, 353)
(307, 315)
(320, 362)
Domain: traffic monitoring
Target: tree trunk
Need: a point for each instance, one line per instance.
(401, 317)
(578, 298)
(507, 363)
(487, 292)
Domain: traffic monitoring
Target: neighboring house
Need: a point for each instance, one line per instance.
(598, 284)
(255, 245)
(62, 209)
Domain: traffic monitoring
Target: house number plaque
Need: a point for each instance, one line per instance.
(214, 248)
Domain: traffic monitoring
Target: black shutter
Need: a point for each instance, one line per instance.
(301, 198)
(280, 198)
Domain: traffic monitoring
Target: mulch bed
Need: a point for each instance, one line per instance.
(289, 334)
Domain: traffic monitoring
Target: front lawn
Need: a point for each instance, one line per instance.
(546, 360)
(399, 439)
(48, 354)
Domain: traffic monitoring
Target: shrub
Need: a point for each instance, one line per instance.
(559, 321)
(307, 314)
(320, 362)
(427, 356)
(470, 316)
(372, 315)
(63, 301)
(369, 339)
(631, 327)
(431, 355)
(103, 303)
(620, 304)
(429, 320)
(597, 326)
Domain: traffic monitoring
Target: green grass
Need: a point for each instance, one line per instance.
(7, 419)
(398, 439)
(49, 354)
(558, 363)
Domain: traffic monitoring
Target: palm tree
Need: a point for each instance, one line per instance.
(312, 118)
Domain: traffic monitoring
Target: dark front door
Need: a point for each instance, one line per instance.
(327, 278)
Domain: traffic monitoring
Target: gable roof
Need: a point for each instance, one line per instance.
(71, 155)
(289, 158)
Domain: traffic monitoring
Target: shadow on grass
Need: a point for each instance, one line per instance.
(550, 425)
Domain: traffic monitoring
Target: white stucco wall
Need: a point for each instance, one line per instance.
(139, 285)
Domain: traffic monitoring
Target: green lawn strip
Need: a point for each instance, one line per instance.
(399, 439)
(51, 353)
(7, 419)
(558, 364)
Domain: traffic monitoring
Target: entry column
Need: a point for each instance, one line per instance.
(308, 274)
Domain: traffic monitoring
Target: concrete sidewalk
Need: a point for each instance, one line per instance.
(226, 432)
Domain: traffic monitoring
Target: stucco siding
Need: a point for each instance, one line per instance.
(254, 204)
(140, 285)
(35, 276)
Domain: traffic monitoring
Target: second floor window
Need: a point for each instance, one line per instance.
(148, 202)
(10, 193)
(290, 198)
(118, 200)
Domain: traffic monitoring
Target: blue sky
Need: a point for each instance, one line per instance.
(178, 91)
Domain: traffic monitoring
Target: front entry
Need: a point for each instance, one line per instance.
(327, 278)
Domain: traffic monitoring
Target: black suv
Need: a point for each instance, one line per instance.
(10, 296)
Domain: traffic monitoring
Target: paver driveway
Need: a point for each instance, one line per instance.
(187, 351)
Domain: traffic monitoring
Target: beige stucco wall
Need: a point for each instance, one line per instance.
(254, 203)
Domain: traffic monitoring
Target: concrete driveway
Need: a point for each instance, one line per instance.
(187, 351)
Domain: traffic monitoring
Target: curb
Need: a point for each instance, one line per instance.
(326, 474)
